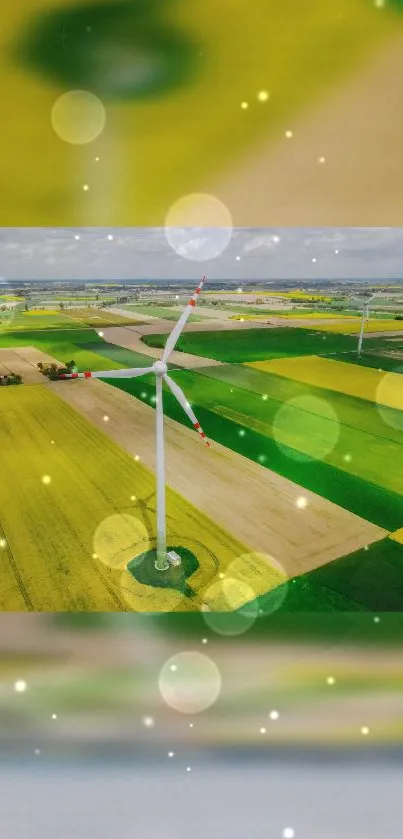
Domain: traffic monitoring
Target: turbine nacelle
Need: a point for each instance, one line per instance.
(160, 368)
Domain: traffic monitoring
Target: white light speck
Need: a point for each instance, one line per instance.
(276, 239)
(101, 334)
(330, 680)
(132, 498)
(288, 833)
(204, 640)
(239, 290)
(52, 442)
(3, 543)
(176, 296)
(263, 730)
(85, 187)
(314, 259)
(148, 722)
(237, 258)
(96, 159)
(347, 458)
(188, 769)
(77, 237)
(137, 458)
(110, 237)
(106, 418)
(322, 159)
(262, 458)
(241, 432)
(171, 754)
(173, 668)
(337, 250)
(365, 547)
(221, 576)
(143, 394)
(20, 686)
(377, 619)
(301, 502)
(191, 725)
(242, 320)
(263, 95)
(264, 397)
(46, 479)
(54, 716)
(288, 134)
(365, 730)
(37, 751)
(95, 556)
(274, 715)
(244, 105)
(379, 4)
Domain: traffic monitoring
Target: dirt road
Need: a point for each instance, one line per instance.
(358, 131)
(252, 503)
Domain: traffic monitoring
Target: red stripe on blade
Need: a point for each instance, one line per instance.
(192, 302)
(197, 425)
(87, 375)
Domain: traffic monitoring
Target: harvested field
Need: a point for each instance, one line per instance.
(24, 360)
(130, 339)
(100, 317)
(257, 506)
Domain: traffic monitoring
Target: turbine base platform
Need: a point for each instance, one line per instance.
(175, 576)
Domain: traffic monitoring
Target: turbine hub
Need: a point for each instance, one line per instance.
(160, 368)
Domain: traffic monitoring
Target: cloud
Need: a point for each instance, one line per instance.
(262, 243)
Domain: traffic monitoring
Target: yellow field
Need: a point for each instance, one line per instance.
(301, 65)
(352, 326)
(75, 508)
(294, 316)
(364, 382)
(397, 536)
(98, 317)
(43, 312)
(288, 295)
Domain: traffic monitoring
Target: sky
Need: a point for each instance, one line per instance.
(180, 254)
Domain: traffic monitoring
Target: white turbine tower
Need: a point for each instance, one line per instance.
(365, 315)
(159, 368)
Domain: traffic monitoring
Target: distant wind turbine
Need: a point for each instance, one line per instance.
(159, 368)
(365, 315)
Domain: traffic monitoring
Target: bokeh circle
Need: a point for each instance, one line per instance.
(198, 227)
(190, 682)
(78, 117)
(116, 539)
(306, 427)
(389, 399)
(229, 607)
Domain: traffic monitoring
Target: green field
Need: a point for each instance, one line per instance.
(257, 344)
(27, 321)
(369, 579)
(120, 355)
(376, 360)
(346, 484)
(63, 345)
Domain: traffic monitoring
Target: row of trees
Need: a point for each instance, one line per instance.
(52, 371)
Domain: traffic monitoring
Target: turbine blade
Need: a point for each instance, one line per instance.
(173, 337)
(180, 396)
(126, 373)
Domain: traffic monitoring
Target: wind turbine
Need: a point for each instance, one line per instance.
(365, 316)
(159, 368)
